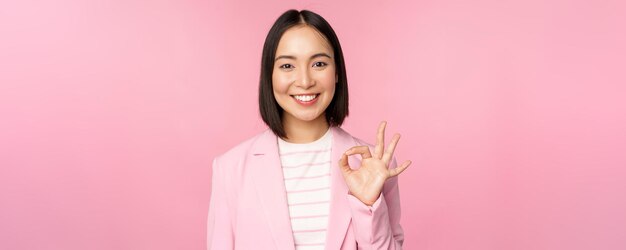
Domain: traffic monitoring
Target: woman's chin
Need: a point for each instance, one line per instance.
(306, 117)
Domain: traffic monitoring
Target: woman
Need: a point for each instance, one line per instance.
(294, 186)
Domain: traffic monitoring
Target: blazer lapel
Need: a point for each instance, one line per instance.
(340, 215)
(267, 174)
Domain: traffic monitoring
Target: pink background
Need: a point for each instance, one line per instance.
(513, 113)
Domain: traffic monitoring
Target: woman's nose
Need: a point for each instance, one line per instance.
(305, 80)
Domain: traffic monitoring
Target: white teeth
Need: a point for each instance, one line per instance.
(305, 98)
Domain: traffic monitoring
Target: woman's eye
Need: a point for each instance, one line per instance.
(319, 64)
(286, 66)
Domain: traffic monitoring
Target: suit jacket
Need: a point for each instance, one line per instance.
(248, 207)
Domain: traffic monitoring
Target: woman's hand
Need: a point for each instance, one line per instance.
(366, 182)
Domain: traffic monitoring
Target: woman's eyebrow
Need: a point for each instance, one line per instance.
(294, 58)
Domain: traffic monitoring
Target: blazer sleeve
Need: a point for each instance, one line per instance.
(378, 226)
(220, 234)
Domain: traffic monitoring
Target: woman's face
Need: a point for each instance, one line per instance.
(304, 76)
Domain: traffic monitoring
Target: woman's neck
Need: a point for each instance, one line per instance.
(299, 131)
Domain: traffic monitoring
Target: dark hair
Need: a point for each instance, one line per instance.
(271, 112)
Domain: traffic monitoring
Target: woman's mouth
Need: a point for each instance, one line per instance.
(306, 100)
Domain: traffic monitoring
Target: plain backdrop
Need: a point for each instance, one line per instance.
(512, 112)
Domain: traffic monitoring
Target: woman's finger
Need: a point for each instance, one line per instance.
(343, 165)
(380, 140)
(392, 147)
(364, 151)
(396, 171)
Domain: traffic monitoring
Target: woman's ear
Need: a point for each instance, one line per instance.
(336, 78)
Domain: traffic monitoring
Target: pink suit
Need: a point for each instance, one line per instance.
(248, 208)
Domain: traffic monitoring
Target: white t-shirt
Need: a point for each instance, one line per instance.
(306, 172)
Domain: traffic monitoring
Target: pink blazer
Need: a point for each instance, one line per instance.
(248, 207)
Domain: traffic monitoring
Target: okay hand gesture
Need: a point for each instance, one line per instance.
(366, 182)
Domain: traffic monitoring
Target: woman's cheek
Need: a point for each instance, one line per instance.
(327, 77)
(281, 83)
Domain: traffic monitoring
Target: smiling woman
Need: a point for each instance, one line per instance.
(304, 80)
(294, 186)
(302, 50)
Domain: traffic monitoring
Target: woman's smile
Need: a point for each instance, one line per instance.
(306, 99)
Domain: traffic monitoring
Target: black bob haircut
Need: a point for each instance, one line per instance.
(271, 112)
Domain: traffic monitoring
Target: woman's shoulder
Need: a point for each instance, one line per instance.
(242, 148)
(357, 141)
